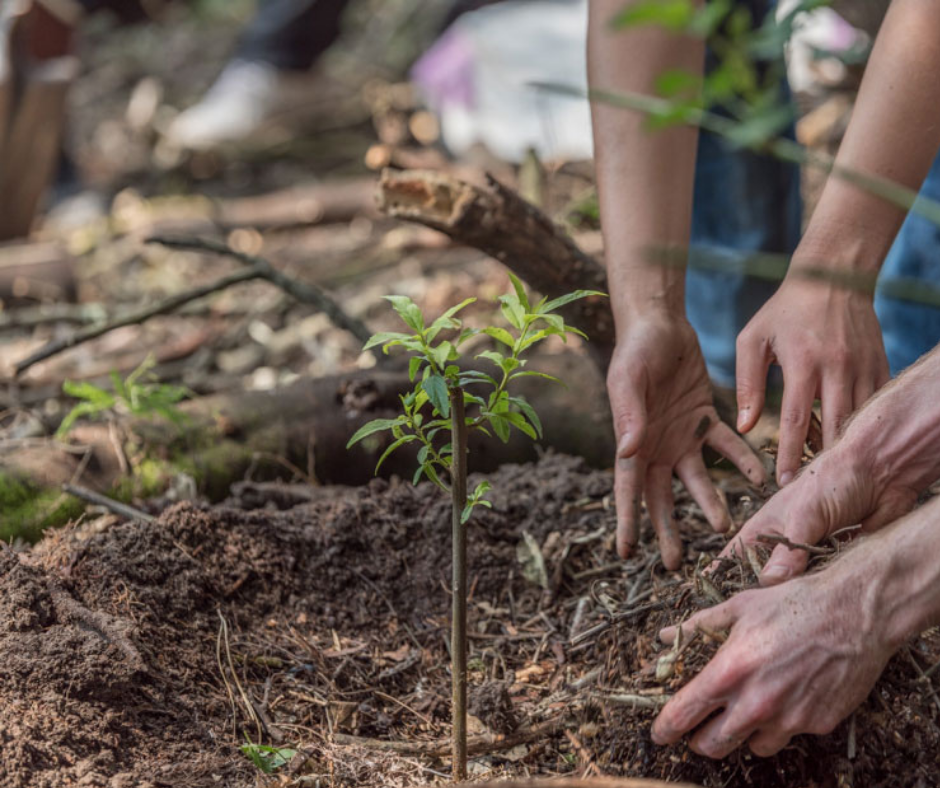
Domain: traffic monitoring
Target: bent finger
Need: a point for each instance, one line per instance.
(768, 741)
(696, 701)
(628, 403)
(691, 470)
(628, 492)
(784, 563)
(719, 618)
(837, 406)
(753, 362)
(731, 445)
(660, 505)
(721, 736)
(798, 395)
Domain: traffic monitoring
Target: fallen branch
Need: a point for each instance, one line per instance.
(134, 317)
(305, 292)
(776, 539)
(502, 224)
(118, 508)
(257, 268)
(476, 745)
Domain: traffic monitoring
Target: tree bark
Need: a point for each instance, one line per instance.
(500, 223)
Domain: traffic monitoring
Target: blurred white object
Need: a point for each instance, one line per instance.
(246, 97)
(478, 79)
(819, 31)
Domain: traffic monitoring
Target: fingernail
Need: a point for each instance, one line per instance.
(667, 633)
(742, 416)
(624, 443)
(774, 575)
(785, 478)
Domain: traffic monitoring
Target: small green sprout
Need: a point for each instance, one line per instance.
(139, 393)
(447, 401)
(267, 759)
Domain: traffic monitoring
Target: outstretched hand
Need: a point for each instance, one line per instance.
(828, 343)
(663, 412)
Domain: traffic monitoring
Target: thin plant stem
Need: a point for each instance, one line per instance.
(458, 632)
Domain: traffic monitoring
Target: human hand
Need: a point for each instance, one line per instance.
(828, 342)
(800, 658)
(841, 488)
(661, 401)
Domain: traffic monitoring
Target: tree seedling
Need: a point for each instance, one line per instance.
(447, 402)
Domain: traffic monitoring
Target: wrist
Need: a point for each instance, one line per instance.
(902, 575)
(840, 246)
(896, 436)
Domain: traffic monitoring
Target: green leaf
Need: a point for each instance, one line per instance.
(671, 14)
(88, 391)
(414, 364)
(533, 374)
(494, 356)
(500, 425)
(377, 425)
(561, 301)
(465, 514)
(443, 353)
(384, 336)
(529, 412)
(436, 389)
(455, 309)
(676, 82)
(470, 376)
(466, 334)
(518, 421)
(481, 489)
(396, 445)
(520, 291)
(418, 474)
(501, 335)
(512, 310)
(408, 311)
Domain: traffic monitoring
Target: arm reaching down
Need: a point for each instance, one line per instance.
(824, 335)
(659, 389)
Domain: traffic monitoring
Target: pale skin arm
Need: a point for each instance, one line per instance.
(826, 337)
(659, 388)
(803, 655)
(888, 456)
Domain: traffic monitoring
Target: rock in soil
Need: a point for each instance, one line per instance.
(145, 654)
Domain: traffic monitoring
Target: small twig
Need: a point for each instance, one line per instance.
(134, 317)
(257, 268)
(110, 504)
(476, 745)
(923, 676)
(305, 292)
(404, 705)
(629, 699)
(778, 539)
(249, 706)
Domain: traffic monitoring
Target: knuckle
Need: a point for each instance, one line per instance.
(794, 417)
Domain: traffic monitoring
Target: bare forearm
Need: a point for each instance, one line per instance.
(894, 134)
(645, 178)
(897, 433)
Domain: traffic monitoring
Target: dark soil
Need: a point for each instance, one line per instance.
(143, 655)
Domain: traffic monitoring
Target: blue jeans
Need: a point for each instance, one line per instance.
(745, 203)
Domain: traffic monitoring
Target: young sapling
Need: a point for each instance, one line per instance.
(449, 401)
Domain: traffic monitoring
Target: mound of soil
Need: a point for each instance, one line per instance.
(145, 654)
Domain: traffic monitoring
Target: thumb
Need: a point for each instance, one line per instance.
(753, 362)
(783, 564)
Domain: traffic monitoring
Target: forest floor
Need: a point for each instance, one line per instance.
(316, 620)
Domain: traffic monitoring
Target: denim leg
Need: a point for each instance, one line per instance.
(910, 329)
(743, 203)
(291, 34)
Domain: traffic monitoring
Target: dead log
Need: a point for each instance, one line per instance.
(31, 145)
(307, 204)
(500, 223)
(299, 431)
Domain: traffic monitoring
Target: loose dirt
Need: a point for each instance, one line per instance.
(145, 654)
